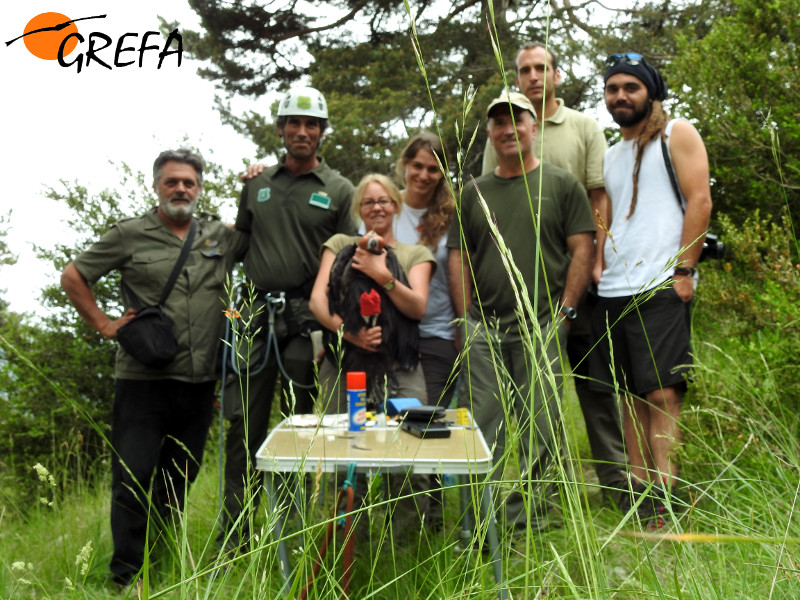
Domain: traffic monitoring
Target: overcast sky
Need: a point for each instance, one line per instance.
(61, 124)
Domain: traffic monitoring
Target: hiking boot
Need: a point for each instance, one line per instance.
(658, 520)
(619, 494)
(652, 505)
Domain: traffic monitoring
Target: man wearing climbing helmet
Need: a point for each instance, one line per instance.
(290, 209)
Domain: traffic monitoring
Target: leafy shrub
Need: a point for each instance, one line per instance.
(55, 396)
(746, 336)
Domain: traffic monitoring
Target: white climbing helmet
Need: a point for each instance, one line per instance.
(303, 101)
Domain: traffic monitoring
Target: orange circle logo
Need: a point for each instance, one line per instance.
(47, 32)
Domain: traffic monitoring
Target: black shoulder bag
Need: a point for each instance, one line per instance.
(150, 336)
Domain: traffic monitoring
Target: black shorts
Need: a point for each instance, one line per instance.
(650, 340)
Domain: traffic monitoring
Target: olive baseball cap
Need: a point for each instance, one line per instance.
(513, 98)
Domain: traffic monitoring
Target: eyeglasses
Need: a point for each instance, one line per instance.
(632, 58)
(382, 201)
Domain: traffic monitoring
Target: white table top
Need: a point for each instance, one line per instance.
(304, 444)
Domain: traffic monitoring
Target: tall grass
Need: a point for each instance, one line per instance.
(735, 538)
(733, 534)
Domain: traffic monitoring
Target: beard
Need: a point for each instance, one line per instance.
(178, 212)
(305, 154)
(628, 119)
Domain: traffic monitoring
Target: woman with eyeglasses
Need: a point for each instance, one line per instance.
(382, 341)
(380, 337)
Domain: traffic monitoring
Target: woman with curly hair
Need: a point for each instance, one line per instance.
(428, 208)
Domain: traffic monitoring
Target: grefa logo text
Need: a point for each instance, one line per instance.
(54, 36)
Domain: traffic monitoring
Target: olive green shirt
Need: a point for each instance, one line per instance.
(290, 218)
(564, 212)
(408, 255)
(144, 251)
(569, 139)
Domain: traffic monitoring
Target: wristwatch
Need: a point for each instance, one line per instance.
(569, 312)
(389, 285)
(685, 271)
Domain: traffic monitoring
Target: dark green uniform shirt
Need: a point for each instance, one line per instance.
(289, 218)
(565, 212)
(144, 250)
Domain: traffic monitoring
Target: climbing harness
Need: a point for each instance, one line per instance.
(275, 305)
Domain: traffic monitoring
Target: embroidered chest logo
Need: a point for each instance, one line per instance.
(263, 194)
(211, 248)
(320, 200)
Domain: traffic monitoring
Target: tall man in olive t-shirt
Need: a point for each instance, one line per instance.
(290, 210)
(513, 372)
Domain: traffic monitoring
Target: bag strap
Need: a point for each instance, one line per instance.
(670, 169)
(173, 276)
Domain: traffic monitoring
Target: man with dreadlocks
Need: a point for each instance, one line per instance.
(648, 277)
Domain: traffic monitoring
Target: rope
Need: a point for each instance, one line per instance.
(350, 542)
(227, 348)
(275, 306)
(221, 440)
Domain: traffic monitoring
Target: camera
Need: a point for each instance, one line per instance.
(713, 248)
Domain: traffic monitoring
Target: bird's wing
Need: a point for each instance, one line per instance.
(400, 329)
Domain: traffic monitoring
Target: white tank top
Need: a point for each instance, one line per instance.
(640, 253)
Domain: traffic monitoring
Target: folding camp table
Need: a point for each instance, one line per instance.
(310, 444)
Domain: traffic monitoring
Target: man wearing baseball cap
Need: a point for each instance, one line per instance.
(289, 210)
(657, 178)
(574, 141)
(513, 371)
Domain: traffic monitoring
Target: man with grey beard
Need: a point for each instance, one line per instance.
(161, 416)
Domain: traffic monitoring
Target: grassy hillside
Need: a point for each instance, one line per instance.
(734, 536)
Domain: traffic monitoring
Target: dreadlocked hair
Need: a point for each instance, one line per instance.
(654, 127)
(435, 221)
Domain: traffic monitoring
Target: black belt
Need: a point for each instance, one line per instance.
(304, 291)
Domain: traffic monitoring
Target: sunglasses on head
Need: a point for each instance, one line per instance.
(632, 58)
